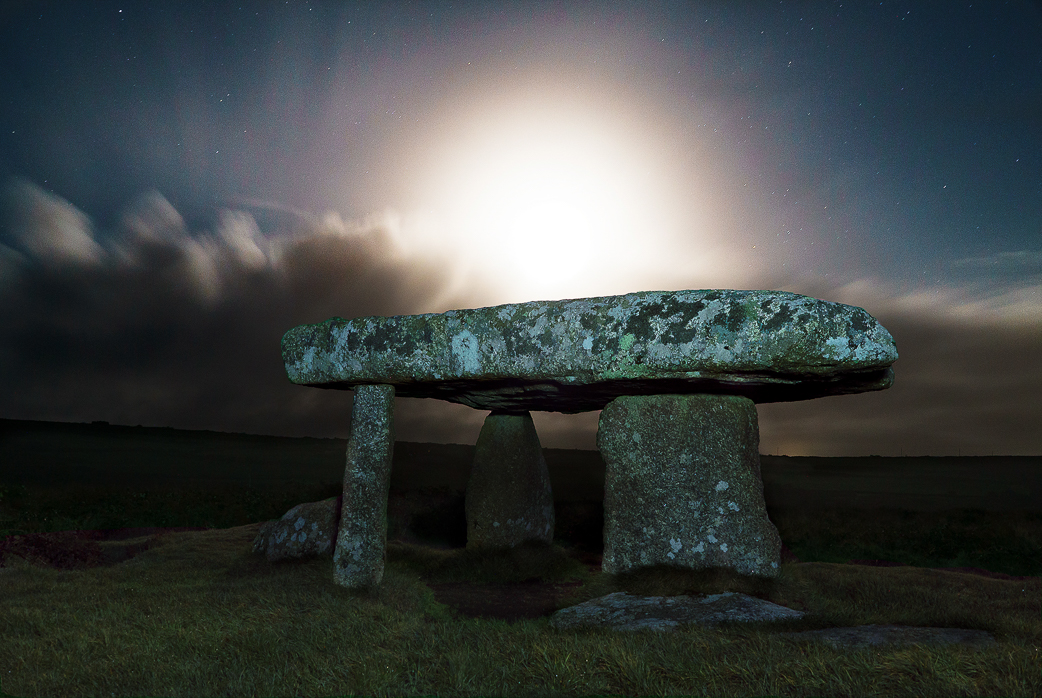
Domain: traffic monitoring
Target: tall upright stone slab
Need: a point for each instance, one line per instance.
(361, 543)
(682, 485)
(509, 499)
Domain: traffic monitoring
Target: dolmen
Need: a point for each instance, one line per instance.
(677, 375)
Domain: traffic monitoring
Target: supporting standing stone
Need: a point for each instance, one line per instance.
(361, 544)
(509, 500)
(682, 485)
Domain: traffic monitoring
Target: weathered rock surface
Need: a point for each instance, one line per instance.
(682, 485)
(361, 544)
(509, 499)
(303, 531)
(578, 355)
(622, 611)
(625, 612)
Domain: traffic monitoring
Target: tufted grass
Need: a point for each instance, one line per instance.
(199, 615)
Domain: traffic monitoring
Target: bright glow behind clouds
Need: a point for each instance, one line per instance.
(548, 201)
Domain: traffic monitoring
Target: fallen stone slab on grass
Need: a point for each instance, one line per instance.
(621, 611)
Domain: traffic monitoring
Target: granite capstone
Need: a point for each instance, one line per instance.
(577, 355)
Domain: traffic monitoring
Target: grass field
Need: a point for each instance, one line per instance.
(200, 615)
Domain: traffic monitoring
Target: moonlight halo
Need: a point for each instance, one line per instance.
(545, 199)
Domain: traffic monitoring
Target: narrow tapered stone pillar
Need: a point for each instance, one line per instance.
(682, 485)
(361, 543)
(509, 500)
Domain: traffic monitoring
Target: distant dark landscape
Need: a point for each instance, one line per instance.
(55, 454)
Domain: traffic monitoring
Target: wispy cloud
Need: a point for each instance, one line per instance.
(46, 227)
(1022, 263)
(158, 324)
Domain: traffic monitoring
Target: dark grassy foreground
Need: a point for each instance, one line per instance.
(199, 615)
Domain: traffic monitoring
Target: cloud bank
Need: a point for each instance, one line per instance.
(153, 323)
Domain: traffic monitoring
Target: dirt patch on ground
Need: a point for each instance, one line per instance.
(78, 550)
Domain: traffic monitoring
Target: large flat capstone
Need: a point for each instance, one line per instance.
(578, 355)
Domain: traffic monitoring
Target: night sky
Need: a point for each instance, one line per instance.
(181, 183)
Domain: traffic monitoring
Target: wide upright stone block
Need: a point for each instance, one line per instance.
(361, 543)
(509, 499)
(682, 485)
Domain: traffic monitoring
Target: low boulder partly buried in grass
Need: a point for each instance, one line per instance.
(306, 530)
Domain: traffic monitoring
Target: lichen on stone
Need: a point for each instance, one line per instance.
(579, 354)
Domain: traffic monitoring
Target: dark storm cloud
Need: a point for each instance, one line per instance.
(165, 326)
